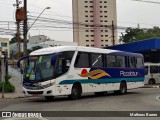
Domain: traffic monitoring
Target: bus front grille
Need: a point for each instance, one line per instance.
(35, 92)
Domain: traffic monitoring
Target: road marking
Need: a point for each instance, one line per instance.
(27, 118)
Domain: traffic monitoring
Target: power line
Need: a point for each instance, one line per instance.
(147, 1)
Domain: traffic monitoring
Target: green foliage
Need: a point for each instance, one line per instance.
(133, 35)
(8, 87)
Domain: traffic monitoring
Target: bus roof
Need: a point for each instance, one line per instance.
(51, 50)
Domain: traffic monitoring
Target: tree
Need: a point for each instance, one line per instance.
(136, 34)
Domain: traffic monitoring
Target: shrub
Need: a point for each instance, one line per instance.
(8, 87)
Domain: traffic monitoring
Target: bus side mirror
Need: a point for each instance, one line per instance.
(20, 59)
(20, 65)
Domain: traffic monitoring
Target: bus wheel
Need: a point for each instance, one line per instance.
(49, 98)
(75, 93)
(123, 88)
(152, 81)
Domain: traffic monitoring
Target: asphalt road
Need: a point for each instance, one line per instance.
(142, 99)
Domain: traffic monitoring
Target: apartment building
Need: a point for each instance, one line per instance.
(92, 23)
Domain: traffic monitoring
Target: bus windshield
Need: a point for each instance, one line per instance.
(39, 68)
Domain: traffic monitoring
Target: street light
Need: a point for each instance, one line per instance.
(38, 17)
(27, 29)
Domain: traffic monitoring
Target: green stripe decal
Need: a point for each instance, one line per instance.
(98, 81)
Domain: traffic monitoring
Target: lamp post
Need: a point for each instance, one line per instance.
(27, 29)
(38, 17)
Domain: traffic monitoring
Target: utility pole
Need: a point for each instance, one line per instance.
(18, 31)
(25, 30)
(113, 30)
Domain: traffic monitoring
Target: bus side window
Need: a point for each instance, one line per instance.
(120, 61)
(132, 62)
(111, 61)
(139, 63)
(82, 60)
(153, 69)
(96, 60)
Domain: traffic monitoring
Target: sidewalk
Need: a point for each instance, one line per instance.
(16, 81)
(18, 92)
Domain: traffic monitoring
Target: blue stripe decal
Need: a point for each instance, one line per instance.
(98, 81)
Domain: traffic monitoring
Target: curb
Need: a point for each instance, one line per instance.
(151, 86)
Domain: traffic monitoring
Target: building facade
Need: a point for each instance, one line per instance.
(94, 22)
(4, 44)
(37, 39)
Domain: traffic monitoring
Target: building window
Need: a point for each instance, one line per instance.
(86, 6)
(105, 11)
(92, 35)
(86, 15)
(91, 6)
(87, 40)
(86, 20)
(86, 11)
(87, 35)
(101, 40)
(105, 6)
(87, 30)
(86, 1)
(87, 45)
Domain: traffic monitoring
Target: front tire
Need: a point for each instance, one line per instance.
(123, 88)
(75, 93)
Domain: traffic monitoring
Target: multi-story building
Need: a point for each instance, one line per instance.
(92, 22)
